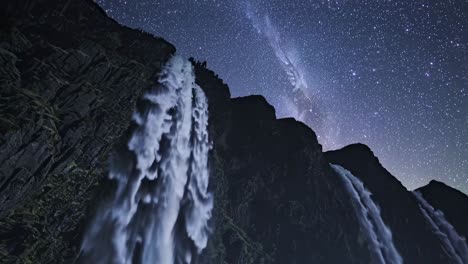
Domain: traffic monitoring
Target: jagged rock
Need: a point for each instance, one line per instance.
(277, 193)
(412, 235)
(67, 89)
(452, 202)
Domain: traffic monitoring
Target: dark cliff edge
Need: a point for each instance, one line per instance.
(274, 191)
(412, 235)
(69, 80)
(452, 202)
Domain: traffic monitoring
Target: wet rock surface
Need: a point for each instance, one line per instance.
(412, 235)
(453, 203)
(69, 77)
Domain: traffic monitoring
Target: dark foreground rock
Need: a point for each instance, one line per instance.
(412, 234)
(69, 79)
(452, 202)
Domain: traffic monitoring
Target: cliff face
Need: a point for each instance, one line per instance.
(412, 234)
(276, 198)
(453, 203)
(69, 79)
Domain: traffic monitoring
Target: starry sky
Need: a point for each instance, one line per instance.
(392, 74)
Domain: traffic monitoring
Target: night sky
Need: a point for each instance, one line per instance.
(390, 74)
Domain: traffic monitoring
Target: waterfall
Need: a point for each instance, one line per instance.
(454, 244)
(160, 207)
(378, 234)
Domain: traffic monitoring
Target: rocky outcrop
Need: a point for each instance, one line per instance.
(412, 234)
(69, 77)
(452, 202)
(277, 200)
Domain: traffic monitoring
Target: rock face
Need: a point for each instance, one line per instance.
(399, 208)
(69, 79)
(277, 200)
(453, 203)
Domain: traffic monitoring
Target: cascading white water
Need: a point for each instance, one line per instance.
(378, 234)
(454, 244)
(160, 208)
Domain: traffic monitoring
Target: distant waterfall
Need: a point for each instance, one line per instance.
(453, 243)
(378, 234)
(160, 208)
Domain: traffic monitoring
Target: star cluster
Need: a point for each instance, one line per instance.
(392, 74)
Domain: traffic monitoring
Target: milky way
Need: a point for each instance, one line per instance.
(390, 74)
(298, 102)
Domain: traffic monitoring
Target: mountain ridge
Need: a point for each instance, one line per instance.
(452, 202)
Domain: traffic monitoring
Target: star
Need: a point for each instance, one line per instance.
(405, 57)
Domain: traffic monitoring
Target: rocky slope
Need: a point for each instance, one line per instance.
(69, 79)
(453, 203)
(399, 208)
